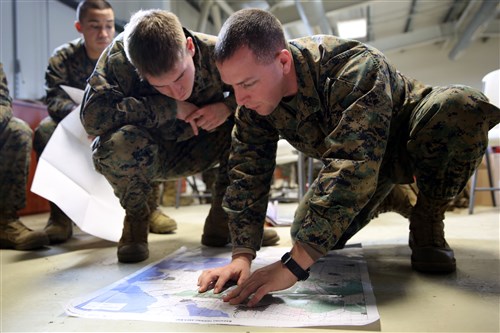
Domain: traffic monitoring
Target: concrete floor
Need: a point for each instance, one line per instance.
(36, 285)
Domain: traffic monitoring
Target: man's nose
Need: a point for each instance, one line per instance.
(176, 90)
(104, 32)
(241, 96)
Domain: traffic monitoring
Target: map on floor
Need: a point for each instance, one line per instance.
(338, 293)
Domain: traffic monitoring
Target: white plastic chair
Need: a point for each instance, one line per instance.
(491, 88)
(285, 154)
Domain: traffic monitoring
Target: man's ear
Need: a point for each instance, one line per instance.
(285, 60)
(190, 46)
(78, 26)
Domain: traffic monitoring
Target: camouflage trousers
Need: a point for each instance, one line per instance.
(42, 134)
(15, 157)
(134, 159)
(447, 138)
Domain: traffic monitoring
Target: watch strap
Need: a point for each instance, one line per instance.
(295, 268)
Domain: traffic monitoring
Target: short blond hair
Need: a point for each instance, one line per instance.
(154, 41)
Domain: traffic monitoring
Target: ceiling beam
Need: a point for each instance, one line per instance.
(314, 18)
(287, 12)
(369, 25)
(225, 7)
(484, 14)
(415, 38)
(425, 36)
(409, 20)
(205, 11)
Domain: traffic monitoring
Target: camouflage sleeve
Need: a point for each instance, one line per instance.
(115, 97)
(354, 150)
(5, 100)
(59, 104)
(251, 166)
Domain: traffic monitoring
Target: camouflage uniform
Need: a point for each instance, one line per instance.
(139, 141)
(69, 65)
(15, 153)
(370, 125)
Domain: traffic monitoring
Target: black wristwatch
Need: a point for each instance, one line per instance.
(292, 265)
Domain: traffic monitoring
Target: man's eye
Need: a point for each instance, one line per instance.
(247, 85)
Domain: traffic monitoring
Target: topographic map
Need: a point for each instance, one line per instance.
(338, 293)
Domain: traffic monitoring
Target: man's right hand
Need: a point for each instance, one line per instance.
(184, 110)
(238, 270)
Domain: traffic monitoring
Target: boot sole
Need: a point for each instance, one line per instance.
(432, 260)
(59, 239)
(131, 253)
(132, 258)
(57, 235)
(162, 231)
(271, 241)
(434, 268)
(33, 245)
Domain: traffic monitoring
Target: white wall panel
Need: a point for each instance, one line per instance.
(431, 64)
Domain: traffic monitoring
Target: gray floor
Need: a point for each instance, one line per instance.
(35, 286)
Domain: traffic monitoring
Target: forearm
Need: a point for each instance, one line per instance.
(105, 110)
(59, 105)
(303, 256)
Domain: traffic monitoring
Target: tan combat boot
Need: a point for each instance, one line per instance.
(430, 251)
(59, 227)
(15, 235)
(461, 200)
(400, 200)
(159, 223)
(169, 195)
(133, 245)
(270, 237)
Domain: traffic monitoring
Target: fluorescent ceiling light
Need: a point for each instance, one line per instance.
(352, 28)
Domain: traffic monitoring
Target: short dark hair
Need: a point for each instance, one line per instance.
(154, 41)
(86, 5)
(257, 29)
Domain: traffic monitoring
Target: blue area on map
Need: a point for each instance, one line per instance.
(195, 310)
(137, 301)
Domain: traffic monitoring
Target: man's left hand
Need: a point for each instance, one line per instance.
(210, 116)
(273, 277)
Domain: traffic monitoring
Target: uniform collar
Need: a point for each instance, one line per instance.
(308, 101)
(202, 71)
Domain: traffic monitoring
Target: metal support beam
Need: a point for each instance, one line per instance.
(15, 51)
(313, 15)
(486, 13)
(369, 25)
(287, 11)
(225, 7)
(216, 17)
(409, 21)
(205, 10)
(414, 38)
